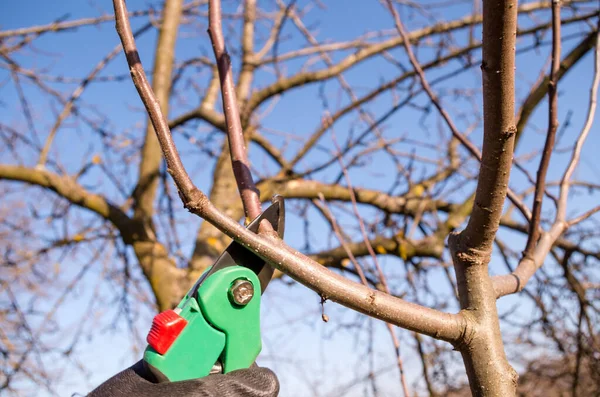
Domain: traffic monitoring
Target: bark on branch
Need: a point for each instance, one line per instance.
(488, 370)
(235, 135)
(536, 212)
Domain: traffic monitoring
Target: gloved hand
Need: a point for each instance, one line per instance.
(134, 382)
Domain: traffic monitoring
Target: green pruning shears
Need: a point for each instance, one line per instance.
(216, 326)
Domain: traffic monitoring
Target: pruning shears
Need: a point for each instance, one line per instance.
(216, 326)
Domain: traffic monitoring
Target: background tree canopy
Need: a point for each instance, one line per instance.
(372, 139)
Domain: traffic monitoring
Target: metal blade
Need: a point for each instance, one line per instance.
(238, 255)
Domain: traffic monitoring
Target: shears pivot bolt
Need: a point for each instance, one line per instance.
(241, 292)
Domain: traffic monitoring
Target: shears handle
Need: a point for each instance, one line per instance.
(215, 326)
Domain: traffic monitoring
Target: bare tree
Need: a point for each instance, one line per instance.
(437, 180)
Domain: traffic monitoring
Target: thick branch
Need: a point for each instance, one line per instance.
(499, 131)
(160, 270)
(471, 249)
(312, 189)
(70, 190)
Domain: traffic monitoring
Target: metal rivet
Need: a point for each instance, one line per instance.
(241, 292)
(217, 368)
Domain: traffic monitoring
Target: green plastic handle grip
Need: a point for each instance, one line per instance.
(217, 330)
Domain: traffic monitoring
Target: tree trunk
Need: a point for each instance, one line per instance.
(482, 348)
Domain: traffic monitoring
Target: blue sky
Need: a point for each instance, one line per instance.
(297, 344)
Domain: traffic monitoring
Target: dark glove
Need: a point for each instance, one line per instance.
(133, 382)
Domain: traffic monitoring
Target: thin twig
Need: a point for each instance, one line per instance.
(534, 231)
(237, 143)
(68, 108)
(475, 152)
(584, 216)
(174, 164)
(59, 25)
(363, 114)
(322, 205)
(382, 278)
(565, 182)
(517, 280)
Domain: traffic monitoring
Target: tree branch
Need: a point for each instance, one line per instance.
(449, 327)
(237, 143)
(157, 118)
(364, 53)
(152, 256)
(70, 104)
(331, 192)
(471, 148)
(471, 249)
(58, 26)
(444, 326)
(218, 121)
(518, 279)
(70, 190)
(538, 92)
(534, 232)
(145, 191)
